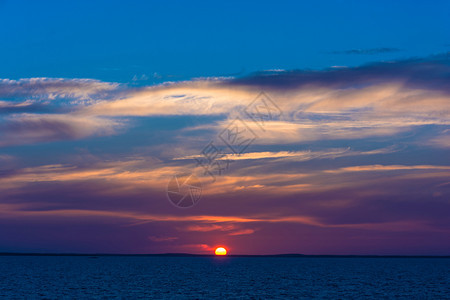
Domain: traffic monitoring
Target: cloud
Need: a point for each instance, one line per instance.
(383, 87)
(294, 155)
(44, 109)
(242, 232)
(373, 168)
(367, 51)
(32, 128)
(358, 153)
(231, 229)
(209, 227)
(200, 97)
(261, 200)
(441, 140)
(374, 100)
(380, 99)
(247, 196)
(53, 88)
(418, 73)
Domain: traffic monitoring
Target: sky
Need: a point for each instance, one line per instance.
(301, 127)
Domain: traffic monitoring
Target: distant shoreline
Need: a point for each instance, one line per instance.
(231, 255)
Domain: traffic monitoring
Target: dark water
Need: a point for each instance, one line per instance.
(223, 277)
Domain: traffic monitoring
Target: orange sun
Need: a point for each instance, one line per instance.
(221, 251)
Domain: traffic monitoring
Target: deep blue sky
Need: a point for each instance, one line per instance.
(113, 41)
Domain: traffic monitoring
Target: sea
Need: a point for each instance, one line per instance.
(172, 277)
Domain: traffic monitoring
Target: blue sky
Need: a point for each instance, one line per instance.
(103, 102)
(113, 41)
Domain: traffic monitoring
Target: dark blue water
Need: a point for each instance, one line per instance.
(223, 277)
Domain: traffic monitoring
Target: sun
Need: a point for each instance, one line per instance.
(221, 251)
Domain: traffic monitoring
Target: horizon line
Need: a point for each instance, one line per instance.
(229, 255)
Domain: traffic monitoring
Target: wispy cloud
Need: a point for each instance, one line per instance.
(367, 51)
(52, 88)
(296, 155)
(34, 128)
(372, 168)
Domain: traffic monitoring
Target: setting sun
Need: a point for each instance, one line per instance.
(221, 251)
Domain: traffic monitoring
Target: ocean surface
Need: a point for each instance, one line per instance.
(132, 277)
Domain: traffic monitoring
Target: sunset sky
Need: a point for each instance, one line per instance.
(101, 104)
